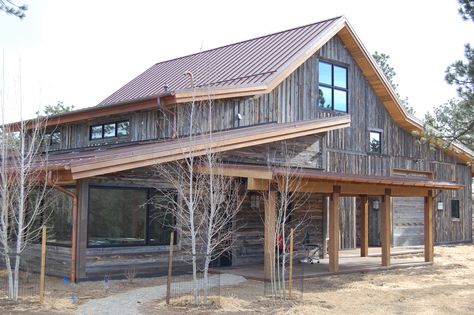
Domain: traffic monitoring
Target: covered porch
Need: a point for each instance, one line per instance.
(350, 261)
(334, 186)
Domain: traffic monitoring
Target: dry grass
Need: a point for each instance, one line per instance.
(445, 288)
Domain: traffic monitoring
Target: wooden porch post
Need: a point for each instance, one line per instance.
(269, 236)
(385, 229)
(428, 227)
(334, 230)
(364, 226)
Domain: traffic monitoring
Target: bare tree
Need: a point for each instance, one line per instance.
(221, 203)
(24, 187)
(207, 200)
(290, 214)
(181, 175)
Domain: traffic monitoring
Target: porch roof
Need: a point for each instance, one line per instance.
(313, 180)
(73, 165)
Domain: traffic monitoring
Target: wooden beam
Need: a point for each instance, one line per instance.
(257, 184)
(428, 227)
(403, 171)
(364, 226)
(269, 235)
(385, 229)
(334, 230)
(240, 171)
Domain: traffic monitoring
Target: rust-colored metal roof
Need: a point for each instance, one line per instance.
(248, 63)
(322, 176)
(368, 179)
(104, 160)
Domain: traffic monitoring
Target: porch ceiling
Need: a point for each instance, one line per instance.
(103, 160)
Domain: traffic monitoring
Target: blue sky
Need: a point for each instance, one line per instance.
(79, 52)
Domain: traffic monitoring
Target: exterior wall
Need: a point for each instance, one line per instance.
(95, 263)
(343, 151)
(248, 246)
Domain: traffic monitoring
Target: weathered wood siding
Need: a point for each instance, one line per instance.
(343, 151)
(346, 149)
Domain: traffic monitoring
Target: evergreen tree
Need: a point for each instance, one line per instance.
(455, 119)
(9, 7)
(59, 108)
(382, 61)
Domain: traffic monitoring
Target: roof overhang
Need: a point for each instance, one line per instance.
(340, 27)
(319, 181)
(72, 166)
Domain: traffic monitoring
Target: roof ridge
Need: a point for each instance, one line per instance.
(248, 40)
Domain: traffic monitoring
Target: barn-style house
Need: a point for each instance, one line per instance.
(314, 87)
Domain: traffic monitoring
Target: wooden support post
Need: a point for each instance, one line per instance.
(43, 264)
(170, 269)
(364, 226)
(386, 230)
(428, 227)
(334, 230)
(290, 279)
(269, 235)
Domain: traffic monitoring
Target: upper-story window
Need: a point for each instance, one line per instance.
(110, 130)
(375, 141)
(332, 87)
(52, 139)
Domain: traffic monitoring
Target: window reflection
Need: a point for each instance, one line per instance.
(332, 87)
(375, 142)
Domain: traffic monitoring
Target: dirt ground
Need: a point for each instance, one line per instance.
(447, 287)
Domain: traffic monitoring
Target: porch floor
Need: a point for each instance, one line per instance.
(349, 262)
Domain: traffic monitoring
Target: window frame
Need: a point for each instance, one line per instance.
(49, 137)
(380, 132)
(458, 202)
(332, 86)
(148, 206)
(116, 135)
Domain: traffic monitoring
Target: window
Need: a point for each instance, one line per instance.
(375, 141)
(52, 138)
(57, 210)
(110, 130)
(332, 87)
(125, 217)
(455, 209)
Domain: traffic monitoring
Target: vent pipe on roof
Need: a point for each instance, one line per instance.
(191, 77)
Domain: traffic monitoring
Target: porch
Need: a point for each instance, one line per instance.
(350, 261)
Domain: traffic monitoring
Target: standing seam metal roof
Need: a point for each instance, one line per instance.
(248, 63)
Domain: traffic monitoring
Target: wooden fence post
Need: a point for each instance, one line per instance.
(43, 263)
(290, 280)
(170, 268)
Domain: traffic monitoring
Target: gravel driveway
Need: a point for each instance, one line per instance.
(127, 303)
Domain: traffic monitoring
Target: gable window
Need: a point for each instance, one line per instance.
(455, 209)
(124, 216)
(333, 93)
(375, 141)
(110, 130)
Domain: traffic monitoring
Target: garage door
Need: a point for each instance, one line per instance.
(408, 221)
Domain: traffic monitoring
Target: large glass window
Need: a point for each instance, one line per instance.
(128, 216)
(160, 220)
(332, 87)
(56, 215)
(59, 219)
